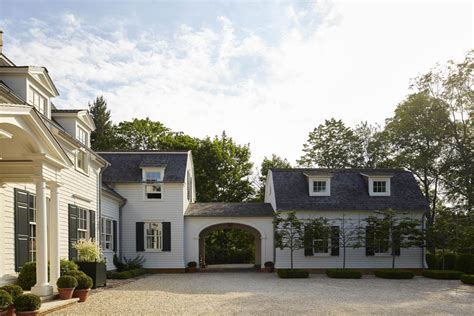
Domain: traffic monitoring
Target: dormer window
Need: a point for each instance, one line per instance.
(379, 186)
(82, 135)
(153, 188)
(38, 101)
(319, 186)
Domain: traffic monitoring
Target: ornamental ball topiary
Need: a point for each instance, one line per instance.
(192, 264)
(76, 274)
(13, 290)
(84, 282)
(442, 274)
(5, 300)
(66, 282)
(268, 264)
(67, 266)
(27, 302)
(27, 277)
(394, 274)
(467, 279)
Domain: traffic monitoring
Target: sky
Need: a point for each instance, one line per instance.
(265, 72)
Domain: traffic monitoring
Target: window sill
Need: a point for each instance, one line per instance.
(153, 200)
(382, 255)
(153, 251)
(322, 255)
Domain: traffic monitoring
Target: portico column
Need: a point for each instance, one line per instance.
(54, 270)
(42, 287)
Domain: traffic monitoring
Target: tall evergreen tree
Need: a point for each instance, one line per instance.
(102, 137)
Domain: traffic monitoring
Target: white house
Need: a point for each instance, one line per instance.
(54, 190)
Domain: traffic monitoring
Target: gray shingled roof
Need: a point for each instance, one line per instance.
(126, 167)
(67, 110)
(349, 191)
(218, 209)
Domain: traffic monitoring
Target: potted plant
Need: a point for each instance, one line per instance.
(14, 291)
(66, 285)
(27, 304)
(84, 284)
(268, 266)
(91, 262)
(192, 266)
(5, 301)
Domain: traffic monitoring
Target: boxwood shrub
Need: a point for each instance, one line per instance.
(293, 274)
(13, 290)
(127, 274)
(467, 279)
(5, 300)
(394, 274)
(442, 274)
(343, 273)
(84, 282)
(66, 282)
(27, 276)
(465, 263)
(27, 303)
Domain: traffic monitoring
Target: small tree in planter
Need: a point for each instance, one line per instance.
(14, 291)
(84, 284)
(66, 285)
(6, 301)
(192, 266)
(27, 304)
(91, 262)
(289, 233)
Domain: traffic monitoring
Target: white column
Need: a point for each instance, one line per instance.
(54, 271)
(42, 287)
(3, 212)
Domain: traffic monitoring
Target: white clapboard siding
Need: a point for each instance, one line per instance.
(355, 258)
(137, 209)
(110, 208)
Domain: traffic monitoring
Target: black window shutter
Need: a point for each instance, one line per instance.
(92, 224)
(140, 236)
(334, 240)
(166, 236)
(114, 235)
(308, 242)
(396, 242)
(72, 231)
(369, 241)
(22, 229)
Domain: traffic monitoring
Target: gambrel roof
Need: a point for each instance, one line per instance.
(126, 167)
(349, 190)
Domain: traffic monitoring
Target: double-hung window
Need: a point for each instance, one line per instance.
(153, 236)
(82, 135)
(382, 242)
(82, 229)
(153, 187)
(321, 244)
(81, 160)
(107, 234)
(38, 101)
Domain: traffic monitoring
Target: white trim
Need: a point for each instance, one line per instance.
(311, 180)
(371, 186)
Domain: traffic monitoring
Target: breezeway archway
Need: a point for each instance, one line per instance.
(202, 218)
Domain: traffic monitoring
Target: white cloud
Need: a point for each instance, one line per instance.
(344, 60)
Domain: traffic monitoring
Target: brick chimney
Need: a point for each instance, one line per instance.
(1, 41)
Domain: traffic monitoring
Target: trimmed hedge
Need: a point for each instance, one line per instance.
(13, 290)
(442, 274)
(127, 274)
(394, 274)
(27, 303)
(467, 279)
(465, 263)
(343, 274)
(293, 274)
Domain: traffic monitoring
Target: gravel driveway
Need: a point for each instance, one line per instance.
(261, 293)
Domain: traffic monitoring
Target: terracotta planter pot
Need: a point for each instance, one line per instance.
(269, 270)
(191, 270)
(10, 311)
(65, 294)
(81, 294)
(28, 313)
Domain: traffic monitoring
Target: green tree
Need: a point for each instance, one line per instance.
(102, 138)
(230, 246)
(373, 145)
(268, 163)
(142, 134)
(452, 86)
(289, 233)
(348, 234)
(333, 145)
(419, 142)
(222, 169)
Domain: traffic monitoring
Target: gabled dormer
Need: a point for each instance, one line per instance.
(30, 83)
(378, 184)
(319, 183)
(77, 123)
(153, 174)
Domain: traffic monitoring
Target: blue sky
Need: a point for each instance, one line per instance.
(266, 72)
